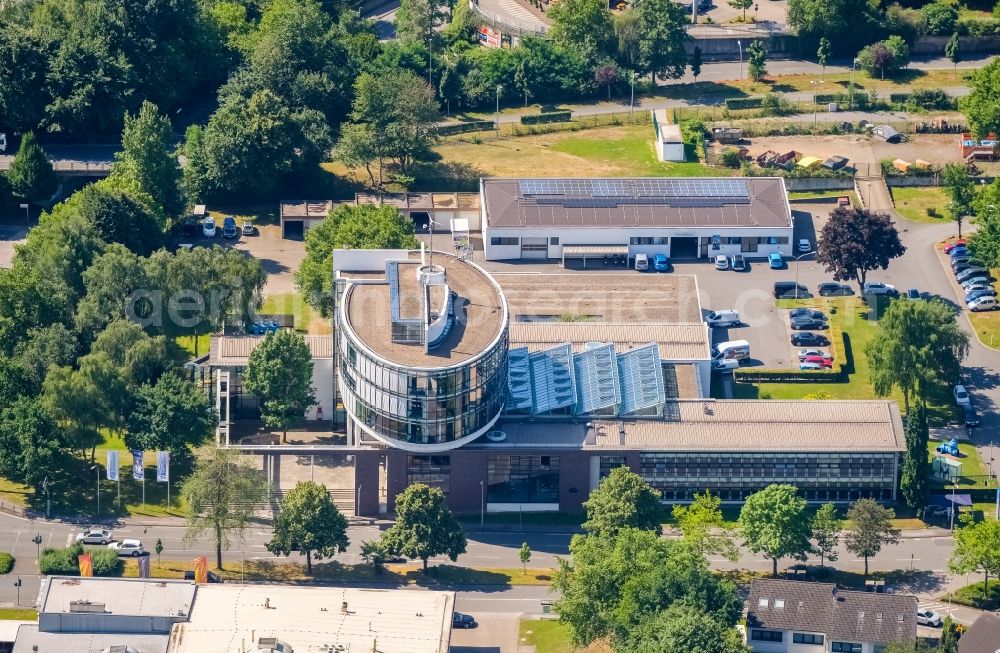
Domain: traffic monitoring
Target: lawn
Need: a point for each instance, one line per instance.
(184, 348)
(18, 614)
(293, 304)
(913, 203)
(551, 636)
(972, 464)
(987, 324)
(972, 595)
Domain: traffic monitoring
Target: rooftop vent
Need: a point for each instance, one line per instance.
(273, 645)
(84, 605)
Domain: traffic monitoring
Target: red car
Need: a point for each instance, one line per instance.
(825, 362)
(952, 245)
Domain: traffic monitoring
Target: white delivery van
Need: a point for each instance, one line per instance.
(723, 319)
(641, 262)
(735, 349)
(725, 365)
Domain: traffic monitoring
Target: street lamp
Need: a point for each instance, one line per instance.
(97, 470)
(740, 45)
(48, 499)
(853, 66)
(17, 584)
(631, 99)
(499, 89)
(482, 504)
(37, 539)
(797, 270)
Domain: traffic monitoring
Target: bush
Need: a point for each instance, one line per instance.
(552, 116)
(974, 27)
(6, 563)
(931, 98)
(464, 127)
(64, 562)
(744, 102)
(731, 158)
(939, 19)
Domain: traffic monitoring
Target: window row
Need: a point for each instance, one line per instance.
(523, 479)
(759, 635)
(807, 638)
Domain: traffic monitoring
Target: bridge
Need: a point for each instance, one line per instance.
(73, 160)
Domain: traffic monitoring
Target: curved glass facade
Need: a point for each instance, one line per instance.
(423, 409)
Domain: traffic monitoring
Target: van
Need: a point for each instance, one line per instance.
(790, 290)
(735, 349)
(725, 365)
(641, 262)
(723, 319)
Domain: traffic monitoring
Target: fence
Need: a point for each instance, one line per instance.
(507, 24)
(576, 123)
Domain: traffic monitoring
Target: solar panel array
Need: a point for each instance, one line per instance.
(728, 188)
(596, 379)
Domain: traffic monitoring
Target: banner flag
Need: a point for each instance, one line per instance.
(86, 564)
(138, 471)
(144, 566)
(201, 570)
(162, 466)
(112, 465)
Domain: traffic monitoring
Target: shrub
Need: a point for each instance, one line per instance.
(464, 127)
(744, 102)
(731, 158)
(975, 27)
(552, 116)
(6, 563)
(64, 562)
(940, 19)
(930, 98)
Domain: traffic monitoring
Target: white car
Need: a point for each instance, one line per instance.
(95, 536)
(807, 365)
(208, 228)
(974, 281)
(128, 548)
(961, 395)
(928, 618)
(805, 353)
(878, 288)
(3, 142)
(721, 262)
(804, 245)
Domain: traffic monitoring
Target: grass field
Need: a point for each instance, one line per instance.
(972, 464)
(551, 636)
(987, 324)
(914, 203)
(972, 595)
(293, 304)
(18, 614)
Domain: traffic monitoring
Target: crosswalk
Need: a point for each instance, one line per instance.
(948, 610)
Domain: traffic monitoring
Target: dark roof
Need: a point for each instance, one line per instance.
(640, 203)
(842, 615)
(983, 636)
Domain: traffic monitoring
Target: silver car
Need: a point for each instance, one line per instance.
(95, 536)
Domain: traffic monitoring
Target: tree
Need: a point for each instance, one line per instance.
(695, 63)
(775, 523)
(702, 524)
(948, 642)
(869, 528)
(279, 371)
(148, 158)
(940, 19)
(610, 585)
(118, 218)
(662, 31)
(222, 493)
(606, 74)
(961, 190)
(584, 25)
(913, 476)
(741, 4)
(826, 533)
(524, 554)
(309, 522)
(364, 226)
(31, 176)
(757, 55)
(982, 105)
(685, 629)
(953, 50)
(173, 414)
(892, 54)
(424, 526)
(847, 24)
(375, 553)
(622, 500)
(196, 178)
(977, 548)
(856, 241)
(823, 53)
(917, 346)
(45, 348)
(417, 19)
(30, 442)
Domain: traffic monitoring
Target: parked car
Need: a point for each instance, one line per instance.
(958, 251)
(937, 511)
(661, 263)
(961, 395)
(971, 416)
(212, 577)
(953, 245)
(807, 312)
(973, 281)
(128, 548)
(928, 617)
(775, 261)
(247, 228)
(879, 288)
(229, 227)
(95, 536)
(721, 262)
(208, 227)
(804, 245)
(790, 290)
(190, 227)
(834, 289)
(737, 263)
(3, 142)
(975, 292)
(970, 272)
(800, 323)
(641, 262)
(820, 360)
(805, 353)
(810, 366)
(461, 620)
(913, 293)
(984, 303)
(810, 339)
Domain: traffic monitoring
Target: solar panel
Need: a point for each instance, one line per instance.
(727, 188)
(610, 188)
(641, 379)
(596, 379)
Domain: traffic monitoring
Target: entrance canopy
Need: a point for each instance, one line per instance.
(590, 251)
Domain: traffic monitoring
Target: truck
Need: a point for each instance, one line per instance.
(732, 349)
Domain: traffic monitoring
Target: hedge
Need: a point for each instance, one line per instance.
(552, 116)
(63, 562)
(464, 127)
(6, 563)
(744, 102)
(899, 98)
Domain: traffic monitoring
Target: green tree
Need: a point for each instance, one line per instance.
(940, 18)
(118, 218)
(31, 176)
(364, 226)
(622, 500)
(953, 50)
(891, 54)
(45, 348)
(685, 629)
(196, 179)
(869, 528)
(84, 400)
(949, 637)
(524, 555)
(982, 105)
(375, 553)
(583, 25)
(148, 158)
(695, 63)
(424, 526)
(662, 31)
(702, 524)
(756, 62)
(775, 523)
(977, 548)
(826, 533)
(24, 63)
(741, 4)
(823, 53)
(847, 24)
(917, 346)
(222, 494)
(913, 476)
(279, 371)
(309, 522)
(961, 191)
(173, 414)
(30, 442)
(416, 20)
(856, 241)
